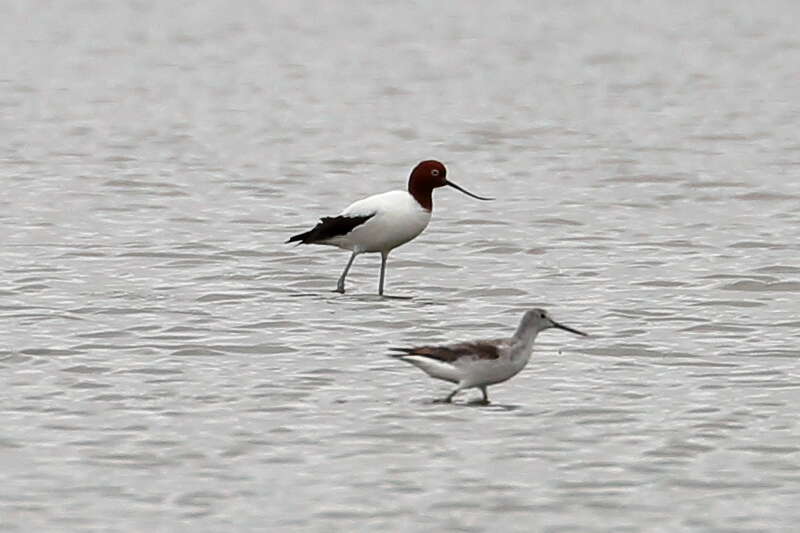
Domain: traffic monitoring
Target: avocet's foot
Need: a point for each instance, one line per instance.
(443, 400)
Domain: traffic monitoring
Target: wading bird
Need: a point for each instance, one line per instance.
(481, 363)
(381, 223)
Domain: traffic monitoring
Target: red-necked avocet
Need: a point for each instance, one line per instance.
(381, 223)
(481, 363)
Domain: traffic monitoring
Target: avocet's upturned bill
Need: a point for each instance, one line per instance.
(485, 362)
(381, 223)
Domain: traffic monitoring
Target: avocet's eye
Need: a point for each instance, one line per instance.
(435, 172)
(542, 315)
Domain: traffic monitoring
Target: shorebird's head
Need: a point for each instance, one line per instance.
(429, 175)
(539, 320)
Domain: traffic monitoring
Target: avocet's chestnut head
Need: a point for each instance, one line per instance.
(429, 175)
(430, 172)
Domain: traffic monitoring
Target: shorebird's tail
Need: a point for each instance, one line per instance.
(433, 367)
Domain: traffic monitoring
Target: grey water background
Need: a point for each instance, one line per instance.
(167, 363)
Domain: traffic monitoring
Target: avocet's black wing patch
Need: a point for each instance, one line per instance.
(330, 227)
(453, 352)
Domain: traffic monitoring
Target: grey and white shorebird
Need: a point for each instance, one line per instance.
(382, 222)
(481, 363)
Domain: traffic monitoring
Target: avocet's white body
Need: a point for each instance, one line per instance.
(396, 218)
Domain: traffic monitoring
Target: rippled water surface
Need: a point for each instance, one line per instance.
(168, 363)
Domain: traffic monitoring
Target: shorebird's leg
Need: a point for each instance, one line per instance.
(449, 398)
(384, 257)
(340, 284)
(485, 395)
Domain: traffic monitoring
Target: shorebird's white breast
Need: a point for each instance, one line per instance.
(490, 371)
(398, 219)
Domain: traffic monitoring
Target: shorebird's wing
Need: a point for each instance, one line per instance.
(330, 227)
(453, 352)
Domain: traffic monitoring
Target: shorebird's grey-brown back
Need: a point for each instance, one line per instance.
(484, 362)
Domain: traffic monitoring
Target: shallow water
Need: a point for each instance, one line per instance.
(168, 363)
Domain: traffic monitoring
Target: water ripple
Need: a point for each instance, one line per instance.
(169, 363)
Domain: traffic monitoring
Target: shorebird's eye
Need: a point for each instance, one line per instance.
(542, 315)
(435, 172)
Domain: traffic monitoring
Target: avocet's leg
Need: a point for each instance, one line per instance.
(340, 284)
(384, 257)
